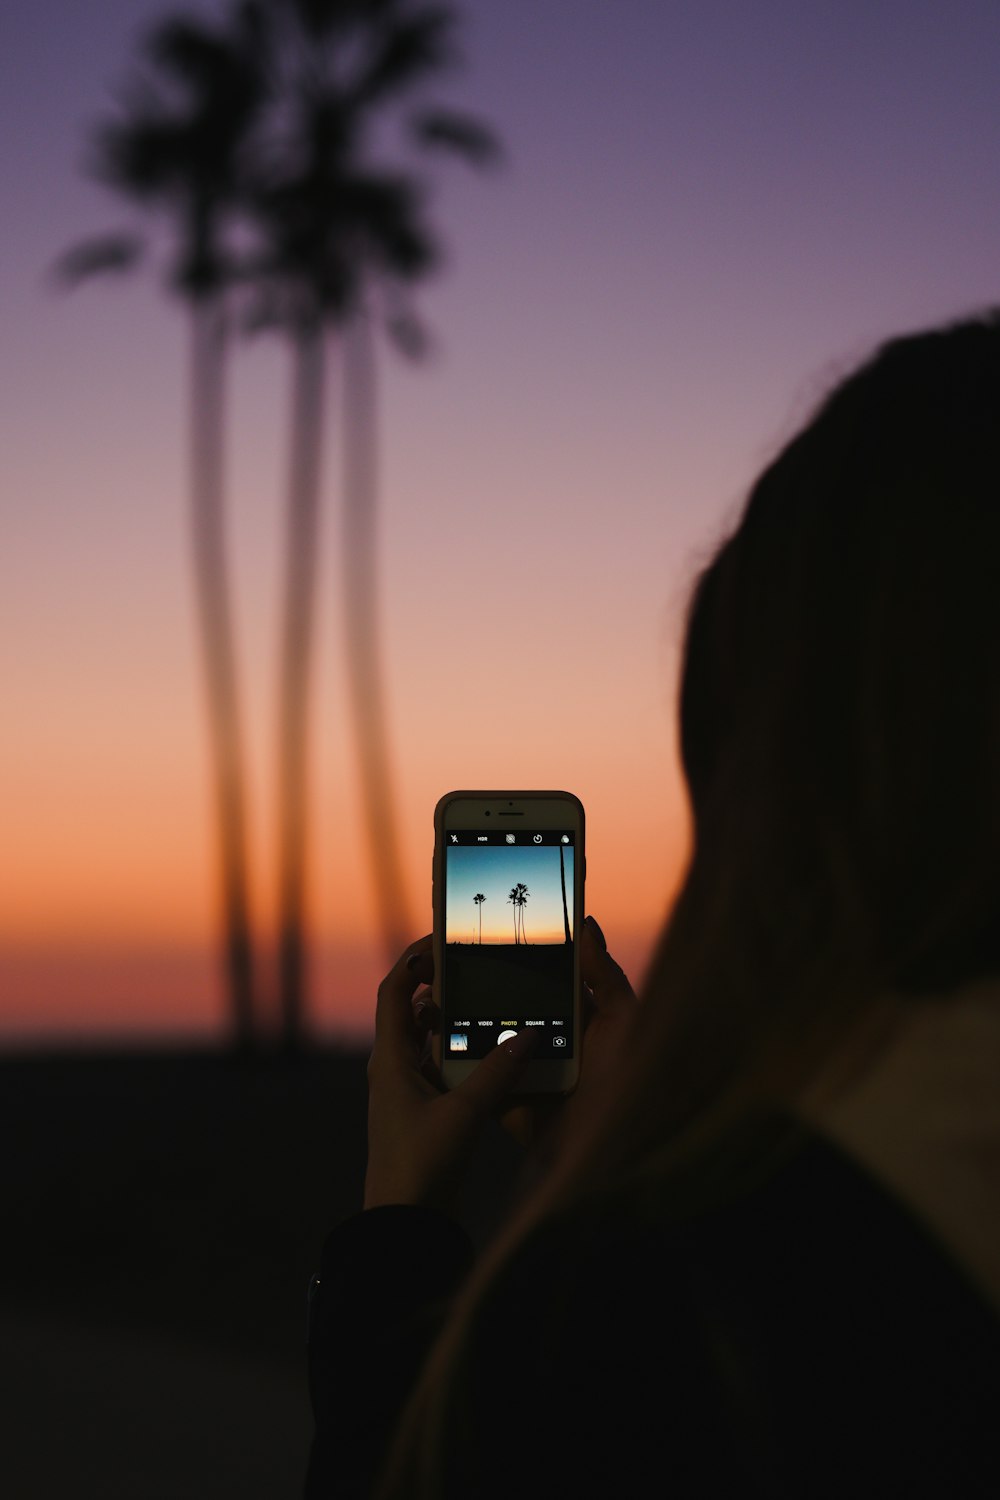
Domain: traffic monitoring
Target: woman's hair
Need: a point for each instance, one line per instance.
(840, 737)
(839, 704)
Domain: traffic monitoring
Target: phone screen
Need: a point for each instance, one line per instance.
(509, 959)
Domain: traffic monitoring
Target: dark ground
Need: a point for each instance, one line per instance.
(496, 972)
(162, 1216)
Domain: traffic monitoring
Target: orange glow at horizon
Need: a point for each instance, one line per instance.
(496, 938)
(108, 908)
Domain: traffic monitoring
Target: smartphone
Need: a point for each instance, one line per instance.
(509, 871)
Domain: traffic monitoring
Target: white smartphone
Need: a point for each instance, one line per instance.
(509, 871)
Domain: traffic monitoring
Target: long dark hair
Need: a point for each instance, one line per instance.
(839, 701)
(840, 736)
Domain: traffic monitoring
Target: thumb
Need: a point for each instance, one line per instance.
(496, 1075)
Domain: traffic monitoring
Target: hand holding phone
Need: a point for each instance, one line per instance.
(419, 1137)
(422, 1139)
(422, 1135)
(609, 1005)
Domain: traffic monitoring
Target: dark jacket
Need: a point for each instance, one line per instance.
(809, 1340)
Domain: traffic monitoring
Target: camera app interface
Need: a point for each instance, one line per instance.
(508, 940)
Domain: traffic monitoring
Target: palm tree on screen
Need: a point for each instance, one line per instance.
(342, 241)
(514, 899)
(562, 878)
(522, 900)
(178, 147)
(479, 898)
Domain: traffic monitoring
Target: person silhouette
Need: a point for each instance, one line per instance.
(757, 1252)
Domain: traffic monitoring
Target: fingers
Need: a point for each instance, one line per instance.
(593, 927)
(495, 1077)
(427, 1025)
(605, 978)
(426, 1014)
(394, 1008)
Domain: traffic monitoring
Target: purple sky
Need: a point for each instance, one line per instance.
(710, 210)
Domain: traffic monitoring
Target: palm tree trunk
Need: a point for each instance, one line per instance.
(293, 724)
(214, 609)
(364, 657)
(562, 877)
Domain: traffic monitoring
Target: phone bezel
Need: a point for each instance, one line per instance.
(480, 809)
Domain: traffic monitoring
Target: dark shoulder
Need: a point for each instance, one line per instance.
(811, 1314)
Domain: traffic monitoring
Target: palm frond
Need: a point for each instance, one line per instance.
(222, 74)
(413, 48)
(321, 19)
(189, 50)
(460, 134)
(109, 253)
(411, 337)
(141, 155)
(384, 210)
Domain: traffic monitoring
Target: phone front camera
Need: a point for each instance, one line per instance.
(487, 812)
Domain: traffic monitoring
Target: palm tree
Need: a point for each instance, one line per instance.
(310, 217)
(522, 900)
(179, 147)
(342, 239)
(562, 877)
(514, 899)
(479, 898)
(361, 630)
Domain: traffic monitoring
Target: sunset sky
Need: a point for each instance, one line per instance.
(493, 872)
(710, 210)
